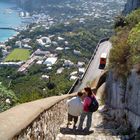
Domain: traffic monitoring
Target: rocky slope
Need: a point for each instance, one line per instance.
(125, 99)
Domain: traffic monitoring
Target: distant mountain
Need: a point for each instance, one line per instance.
(131, 5)
(31, 5)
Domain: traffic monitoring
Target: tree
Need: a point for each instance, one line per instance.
(7, 98)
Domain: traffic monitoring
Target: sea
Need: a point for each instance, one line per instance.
(9, 17)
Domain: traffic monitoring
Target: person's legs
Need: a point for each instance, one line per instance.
(69, 120)
(89, 121)
(75, 120)
(82, 118)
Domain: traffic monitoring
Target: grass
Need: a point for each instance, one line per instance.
(18, 55)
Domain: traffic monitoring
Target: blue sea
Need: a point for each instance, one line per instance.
(9, 17)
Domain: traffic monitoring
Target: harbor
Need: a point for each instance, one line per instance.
(11, 21)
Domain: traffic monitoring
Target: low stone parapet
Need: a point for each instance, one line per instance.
(35, 120)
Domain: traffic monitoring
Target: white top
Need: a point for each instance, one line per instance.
(103, 55)
(75, 106)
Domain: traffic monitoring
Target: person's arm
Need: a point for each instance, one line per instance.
(68, 103)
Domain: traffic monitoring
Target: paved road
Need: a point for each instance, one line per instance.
(93, 70)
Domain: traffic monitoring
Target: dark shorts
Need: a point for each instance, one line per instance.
(70, 118)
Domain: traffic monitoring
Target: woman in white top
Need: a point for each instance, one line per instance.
(75, 108)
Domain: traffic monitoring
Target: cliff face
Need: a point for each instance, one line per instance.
(125, 98)
(131, 5)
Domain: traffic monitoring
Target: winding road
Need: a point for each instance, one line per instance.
(93, 70)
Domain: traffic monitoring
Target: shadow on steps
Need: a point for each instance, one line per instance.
(71, 131)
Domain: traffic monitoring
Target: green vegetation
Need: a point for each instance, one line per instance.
(30, 86)
(134, 42)
(126, 44)
(1, 53)
(6, 95)
(18, 55)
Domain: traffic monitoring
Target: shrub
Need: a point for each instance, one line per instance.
(133, 18)
(4, 95)
(119, 55)
(120, 21)
(134, 41)
(126, 44)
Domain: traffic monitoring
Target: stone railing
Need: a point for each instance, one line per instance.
(35, 120)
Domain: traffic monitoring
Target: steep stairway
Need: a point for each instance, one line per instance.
(103, 128)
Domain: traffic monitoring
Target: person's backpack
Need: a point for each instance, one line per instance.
(94, 105)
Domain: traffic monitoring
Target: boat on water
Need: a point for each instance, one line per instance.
(23, 14)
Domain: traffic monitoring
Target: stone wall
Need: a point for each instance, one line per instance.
(124, 99)
(46, 125)
(36, 120)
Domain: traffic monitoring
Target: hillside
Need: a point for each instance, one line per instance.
(64, 30)
(123, 79)
(126, 51)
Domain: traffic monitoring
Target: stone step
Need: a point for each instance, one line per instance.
(90, 137)
(99, 130)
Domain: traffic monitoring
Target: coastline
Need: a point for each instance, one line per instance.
(10, 17)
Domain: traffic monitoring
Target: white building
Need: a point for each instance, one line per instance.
(54, 43)
(50, 61)
(26, 40)
(59, 49)
(60, 70)
(73, 78)
(66, 42)
(44, 41)
(67, 48)
(68, 63)
(4, 52)
(26, 46)
(49, 68)
(76, 52)
(39, 62)
(39, 52)
(74, 73)
(80, 64)
(81, 70)
(60, 38)
(18, 44)
(2, 46)
(45, 77)
(11, 63)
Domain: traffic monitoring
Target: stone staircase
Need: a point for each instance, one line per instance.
(103, 127)
(100, 130)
